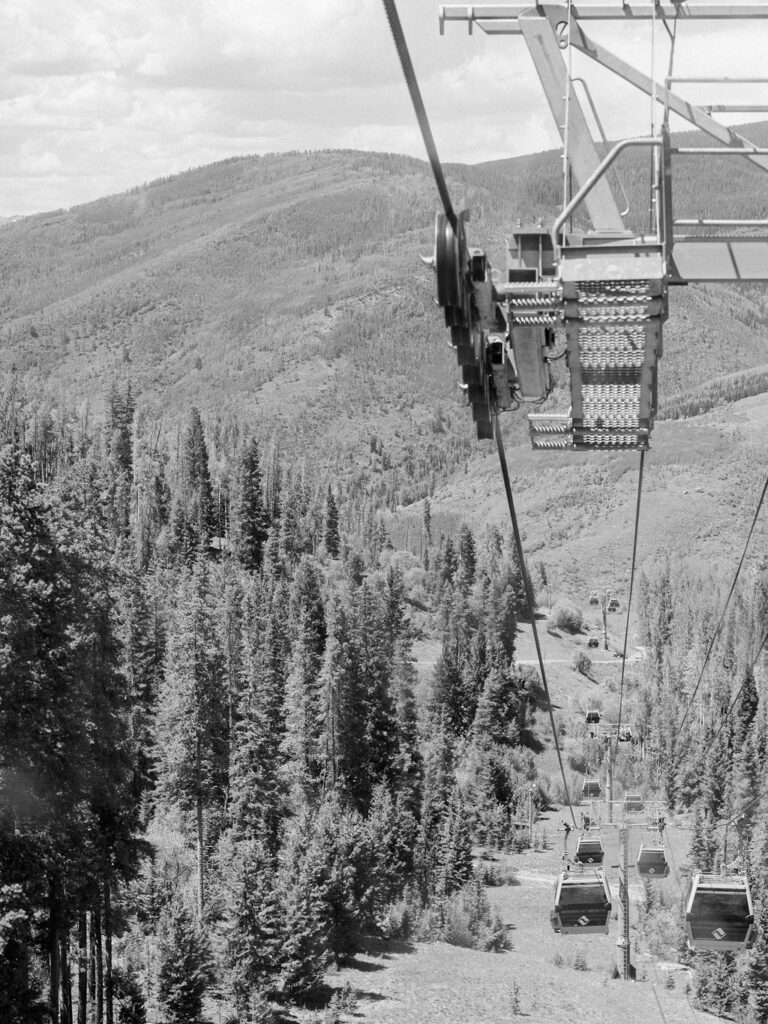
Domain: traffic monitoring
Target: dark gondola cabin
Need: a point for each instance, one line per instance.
(719, 914)
(582, 905)
(652, 862)
(591, 789)
(633, 802)
(593, 717)
(589, 850)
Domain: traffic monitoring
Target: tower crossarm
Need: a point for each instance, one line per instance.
(502, 19)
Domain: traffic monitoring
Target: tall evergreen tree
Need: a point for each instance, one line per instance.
(183, 967)
(467, 559)
(254, 927)
(250, 521)
(193, 520)
(303, 697)
(191, 735)
(331, 538)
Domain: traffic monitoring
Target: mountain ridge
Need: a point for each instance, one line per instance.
(287, 290)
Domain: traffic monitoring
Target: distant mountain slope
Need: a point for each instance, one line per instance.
(287, 290)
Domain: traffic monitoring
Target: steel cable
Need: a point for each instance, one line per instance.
(731, 706)
(631, 586)
(529, 601)
(725, 609)
(418, 106)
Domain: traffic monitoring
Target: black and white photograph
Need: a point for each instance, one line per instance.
(383, 540)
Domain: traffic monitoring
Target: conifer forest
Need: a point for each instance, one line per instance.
(219, 776)
(268, 701)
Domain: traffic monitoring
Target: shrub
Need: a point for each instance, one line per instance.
(514, 1000)
(567, 616)
(492, 937)
(465, 919)
(521, 840)
(580, 961)
(399, 920)
(582, 664)
(457, 930)
(541, 840)
(129, 995)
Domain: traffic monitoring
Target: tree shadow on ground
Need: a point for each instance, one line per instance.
(387, 948)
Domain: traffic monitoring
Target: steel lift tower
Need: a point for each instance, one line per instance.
(605, 286)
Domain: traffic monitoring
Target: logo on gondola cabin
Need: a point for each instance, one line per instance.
(719, 933)
(584, 920)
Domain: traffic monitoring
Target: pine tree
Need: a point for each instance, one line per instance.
(454, 866)
(254, 927)
(183, 967)
(192, 520)
(257, 762)
(303, 954)
(331, 539)
(191, 735)
(467, 559)
(67, 817)
(449, 563)
(437, 786)
(249, 517)
(304, 700)
(427, 527)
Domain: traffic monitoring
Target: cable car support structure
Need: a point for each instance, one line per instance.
(606, 289)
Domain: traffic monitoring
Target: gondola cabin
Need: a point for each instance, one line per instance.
(633, 802)
(652, 862)
(719, 914)
(589, 850)
(591, 789)
(593, 717)
(582, 905)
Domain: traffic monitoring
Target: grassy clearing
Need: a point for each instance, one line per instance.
(543, 978)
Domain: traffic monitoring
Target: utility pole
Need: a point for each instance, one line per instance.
(604, 604)
(625, 967)
(609, 782)
(530, 817)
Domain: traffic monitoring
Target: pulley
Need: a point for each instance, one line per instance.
(451, 269)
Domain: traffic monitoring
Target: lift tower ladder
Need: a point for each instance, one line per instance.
(606, 285)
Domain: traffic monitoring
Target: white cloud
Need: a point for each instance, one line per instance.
(98, 95)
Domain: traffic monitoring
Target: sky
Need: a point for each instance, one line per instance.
(97, 96)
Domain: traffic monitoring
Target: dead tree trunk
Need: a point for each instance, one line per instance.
(200, 836)
(98, 963)
(53, 954)
(66, 977)
(108, 986)
(82, 969)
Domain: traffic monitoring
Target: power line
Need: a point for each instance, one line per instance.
(631, 585)
(529, 600)
(725, 608)
(731, 706)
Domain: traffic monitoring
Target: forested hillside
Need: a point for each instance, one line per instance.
(238, 493)
(215, 776)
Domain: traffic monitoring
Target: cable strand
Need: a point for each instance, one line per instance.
(418, 105)
(531, 608)
(725, 608)
(631, 584)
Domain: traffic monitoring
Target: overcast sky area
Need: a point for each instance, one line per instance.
(97, 96)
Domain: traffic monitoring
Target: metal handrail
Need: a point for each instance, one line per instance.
(720, 150)
(596, 175)
(703, 223)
